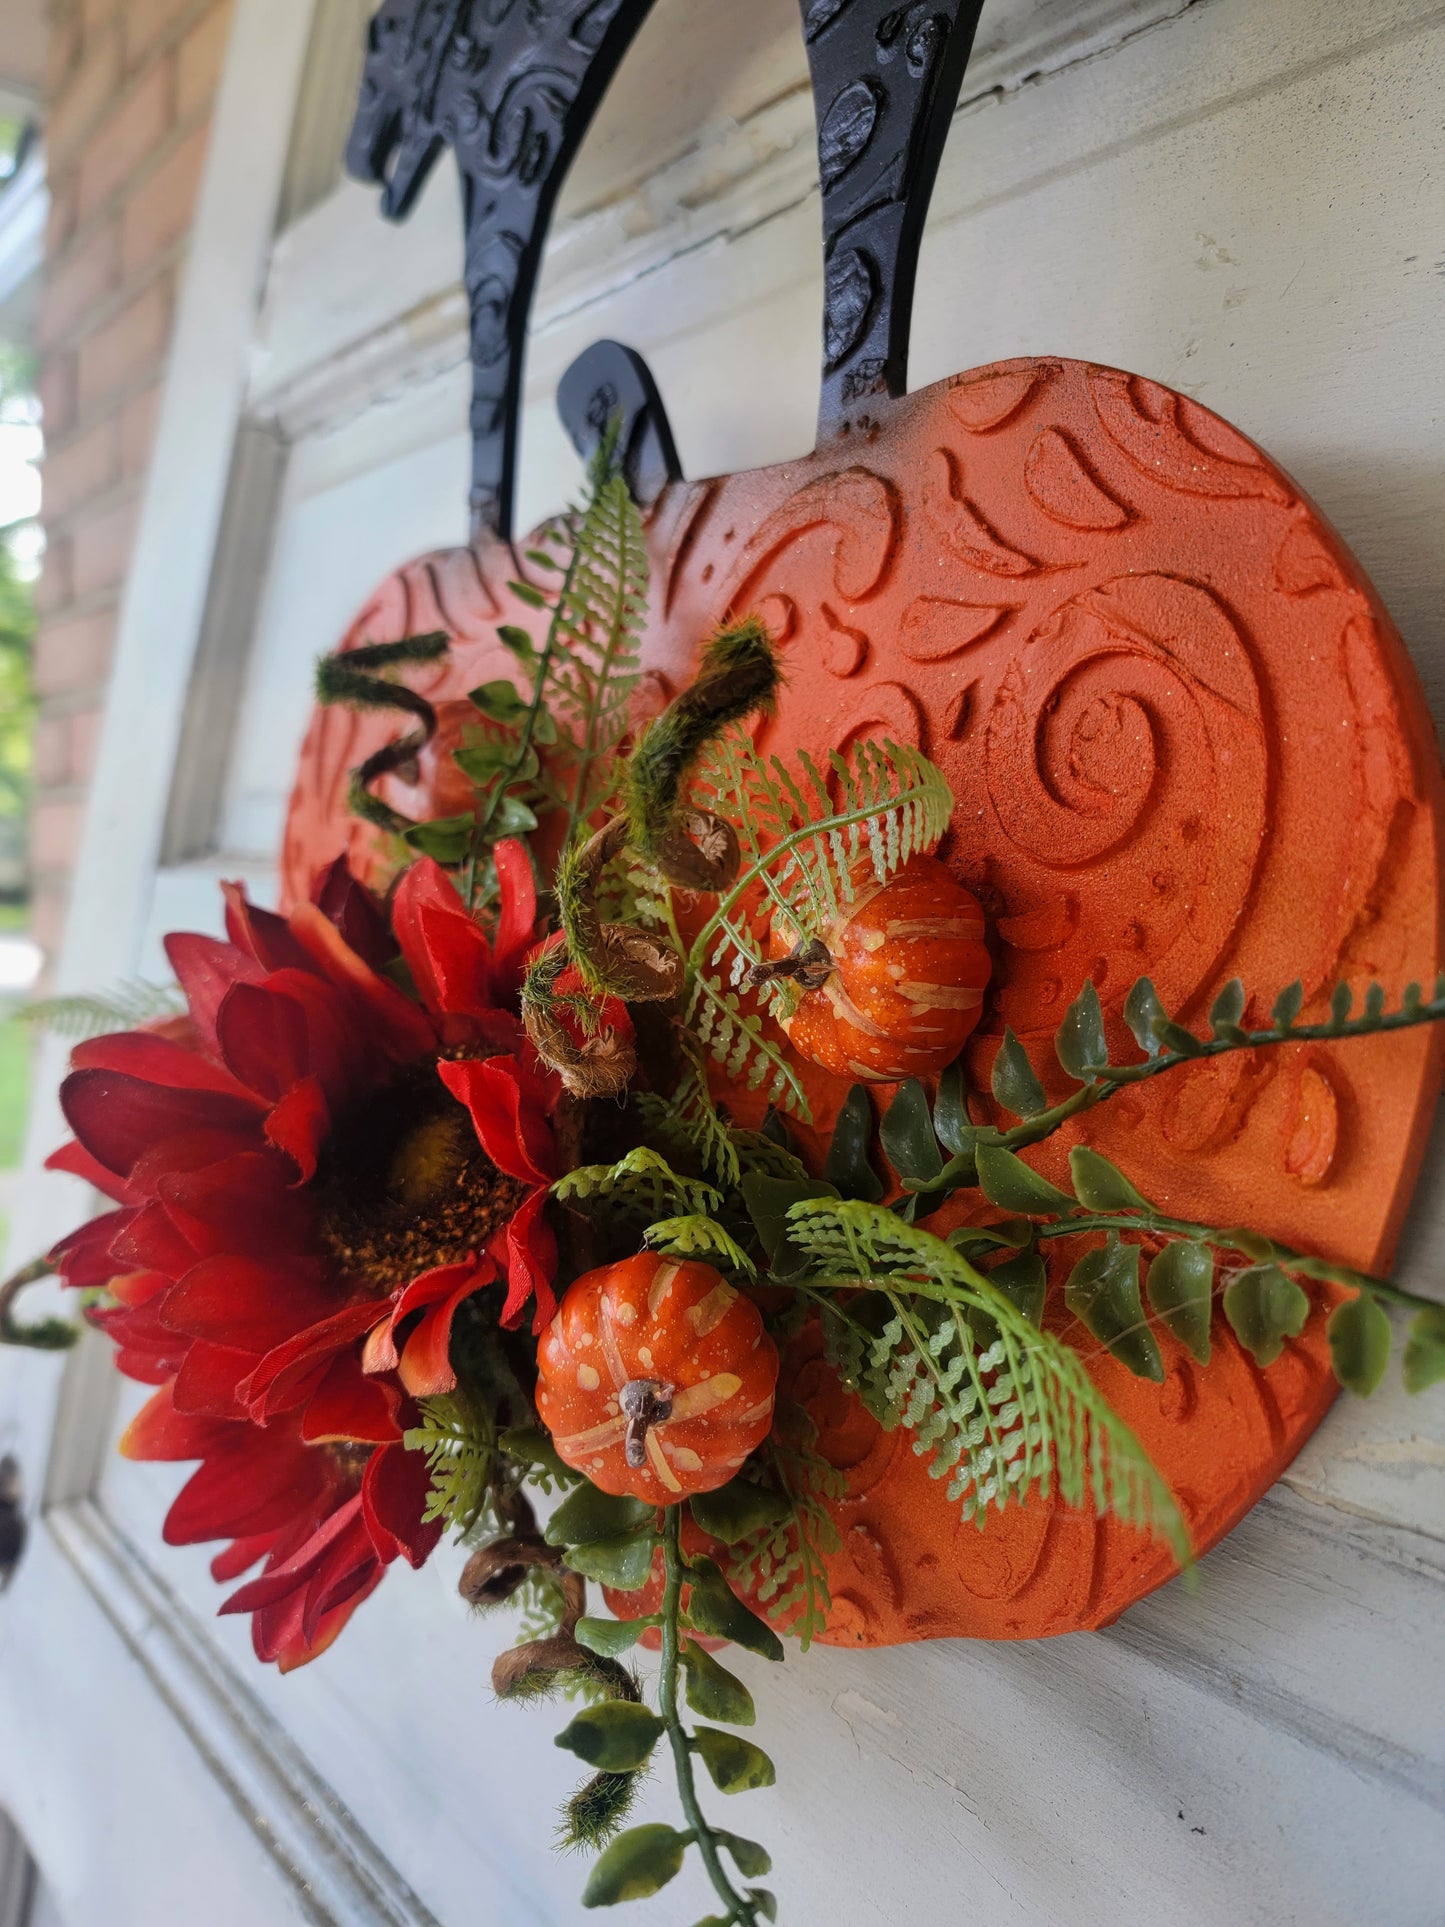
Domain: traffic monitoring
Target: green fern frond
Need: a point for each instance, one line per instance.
(783, 1566)
(689, 1118)
(640, 1189)
(995, 1405)
(699, 1236)
(809, 836)
(125, 1008)
(459, 1444)
(595, 645)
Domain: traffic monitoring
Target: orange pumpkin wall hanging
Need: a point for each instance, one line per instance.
(1140, 655)
(830, 928)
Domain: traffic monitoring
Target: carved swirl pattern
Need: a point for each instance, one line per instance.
(1185, 740)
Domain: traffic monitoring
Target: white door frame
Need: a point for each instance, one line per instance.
(59, 1417)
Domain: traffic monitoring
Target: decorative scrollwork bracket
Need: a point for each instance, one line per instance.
(511, 86)
(886, 80)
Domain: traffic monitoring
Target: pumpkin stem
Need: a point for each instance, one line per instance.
(645, 1403)
(808, 963)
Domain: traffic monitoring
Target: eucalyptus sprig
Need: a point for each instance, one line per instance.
(1082, 1048)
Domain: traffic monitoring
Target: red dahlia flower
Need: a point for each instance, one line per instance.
(313, 1170)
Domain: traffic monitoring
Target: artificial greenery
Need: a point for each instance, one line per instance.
(128, 1007)
(697, 879)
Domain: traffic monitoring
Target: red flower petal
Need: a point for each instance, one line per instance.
(150, 1241)
(460, 959)
(252, 1481)
(118, 1118)
(207, 1382)
(518, 919)
(339, 1051)
(206, 968)
(400, 1029)
(349, 1406)
(237, 1558)
(300, 1124)
(263, 1039)
(301, 1651)
(146, 1349)
(531, 1249)
(159, 1431)
(426, 1368)
(247, 1302)
(84, 1258)
(422, 886)
(77, 1161)
(280, 1581)
(379, 1353)
(394, 1491)
(158, 1060)
(138, 1287)
(246, 1205)
(260, 933)
(348, 904)
(192, 1151)
(291, 1370)
(510, 1128)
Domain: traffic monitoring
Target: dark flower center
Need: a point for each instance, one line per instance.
(403, 1185)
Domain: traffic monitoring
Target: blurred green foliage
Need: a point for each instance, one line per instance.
(17, 616)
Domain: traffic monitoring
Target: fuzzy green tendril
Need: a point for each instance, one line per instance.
(47, 1334)
(738, 674)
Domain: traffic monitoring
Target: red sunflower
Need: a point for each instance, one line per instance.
(313, 1170)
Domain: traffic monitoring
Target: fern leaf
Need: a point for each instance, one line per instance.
(809, 837)
(640, 1189)
(460, 1457)
(997, 1406)
(124, 1008)
(597, 624)
(699, 1236)
(689, 1118)
(784, 1565)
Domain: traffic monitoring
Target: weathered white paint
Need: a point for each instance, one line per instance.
(1241, 197)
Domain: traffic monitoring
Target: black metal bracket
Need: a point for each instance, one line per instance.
(511, 86)
(886, 79)
(609, 382)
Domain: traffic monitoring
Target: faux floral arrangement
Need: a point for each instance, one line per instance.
(426, 1206)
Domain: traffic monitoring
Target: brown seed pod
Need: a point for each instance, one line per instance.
(600, 1066)
(700, 851)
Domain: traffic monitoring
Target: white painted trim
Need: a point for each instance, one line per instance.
(340, 1878)
(24, 209)
(166, 596)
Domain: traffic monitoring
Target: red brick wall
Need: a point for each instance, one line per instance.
(128, 113)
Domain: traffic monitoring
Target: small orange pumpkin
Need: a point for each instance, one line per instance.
(656, 1378)
(896, 982)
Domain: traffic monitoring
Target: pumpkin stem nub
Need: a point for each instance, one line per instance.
(809, 964)
(645, 1403)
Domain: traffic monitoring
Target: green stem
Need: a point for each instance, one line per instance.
(740, 1908)
(1114, 1077)
(1252, 1245)
(48, 1334)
